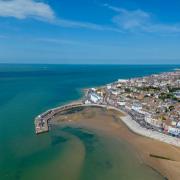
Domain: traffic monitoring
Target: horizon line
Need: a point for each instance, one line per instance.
(18, 63)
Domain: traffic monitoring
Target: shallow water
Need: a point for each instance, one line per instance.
(82, 154)
(108, 158)
(26, 91)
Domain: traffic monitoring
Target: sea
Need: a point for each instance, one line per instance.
(67, 153)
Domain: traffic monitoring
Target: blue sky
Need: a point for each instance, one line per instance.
(90, 31)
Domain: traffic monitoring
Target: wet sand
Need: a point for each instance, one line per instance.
(162, 157)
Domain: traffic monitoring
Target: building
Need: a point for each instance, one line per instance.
(177, 94)
(174, 131)
(108, 86)
(154, 122)
(122, 80)
(95, 98)
(178, 124)
(121, 103)
(136, 107)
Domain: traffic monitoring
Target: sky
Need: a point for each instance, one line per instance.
(90, 31)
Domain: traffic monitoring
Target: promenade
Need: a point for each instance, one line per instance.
(136, 128)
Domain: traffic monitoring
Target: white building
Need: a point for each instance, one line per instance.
(177, 94)
(121, 103)
(153, 122)
(122, 80)
(95, 98)
(114, 92)
(87, 102)
(136, 107)
(178, 124)
(173, 131)
(109, 86)
(93, 89)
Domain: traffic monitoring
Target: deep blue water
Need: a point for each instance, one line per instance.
(27, 90)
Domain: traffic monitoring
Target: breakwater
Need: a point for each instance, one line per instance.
(42, 120)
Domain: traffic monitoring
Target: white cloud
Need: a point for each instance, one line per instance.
(77, 24)
(22, 9)
(139, 20)
(85, 25)
(163, 28)
(133, 19)
(125, 20)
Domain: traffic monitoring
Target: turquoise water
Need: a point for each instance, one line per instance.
(26, 91)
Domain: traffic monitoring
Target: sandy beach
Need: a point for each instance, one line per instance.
(136, 128)
(160, 156)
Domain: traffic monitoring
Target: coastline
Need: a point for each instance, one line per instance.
(156, 152)
(150, 152)
(23, 152)
(127, 119)
(159, 151)
(136, 128)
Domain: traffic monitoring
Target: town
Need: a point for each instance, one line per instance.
(152, 101)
